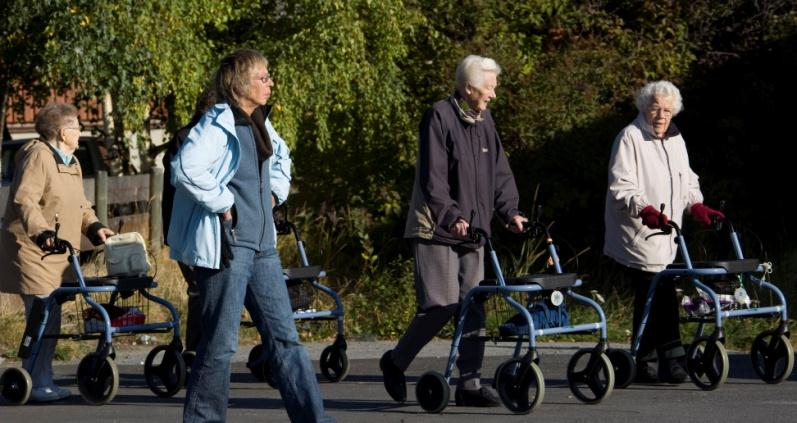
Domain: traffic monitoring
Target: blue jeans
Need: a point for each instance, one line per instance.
(222, 293)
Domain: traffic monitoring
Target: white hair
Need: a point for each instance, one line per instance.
(665, 89)
(472, 68)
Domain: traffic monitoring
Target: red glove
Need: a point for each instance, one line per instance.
(652, 218)
(704, 214)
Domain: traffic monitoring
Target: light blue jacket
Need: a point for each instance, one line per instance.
(201, 170)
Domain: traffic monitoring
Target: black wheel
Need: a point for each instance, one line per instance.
(97, 379)
(520, 386)
(16, 385)
(433, 392)
(334, 363)
(188, 359)
(590, 375)
(624, 367)
(164, 370)
(707, 363)
(772, 356)
(258, 366)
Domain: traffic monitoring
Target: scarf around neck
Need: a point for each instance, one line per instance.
(465, 112)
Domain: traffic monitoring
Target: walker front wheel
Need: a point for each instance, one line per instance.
(164, 370)
(772, 356)
(188, 359)
(433, 392)
(624, 367)
(258, 366)
(16, 385)
(97, 379)
(334, 363)
(520, 385)
(707, 363)
(590, 375)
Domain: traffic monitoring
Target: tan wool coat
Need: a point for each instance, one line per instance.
(43, 188)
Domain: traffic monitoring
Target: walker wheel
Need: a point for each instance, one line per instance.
(707, 363)
(258, 366)
(772, 356)
(334, 363)
(97, 379)
(16, 385)
(188, 359)
(624, 367)
(433, 392)
(592, 370)
(164, 370)
(515, 380)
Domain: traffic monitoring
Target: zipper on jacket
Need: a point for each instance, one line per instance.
(672, 188)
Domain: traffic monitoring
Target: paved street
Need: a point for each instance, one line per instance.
(361, 397)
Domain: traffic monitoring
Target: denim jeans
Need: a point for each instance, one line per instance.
(222, 293)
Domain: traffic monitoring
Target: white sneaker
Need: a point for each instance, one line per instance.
(49, 394)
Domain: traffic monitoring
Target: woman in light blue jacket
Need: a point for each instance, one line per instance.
(227, 176)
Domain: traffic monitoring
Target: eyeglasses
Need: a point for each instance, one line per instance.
(264, 79)
(655, 111)
(77, 128)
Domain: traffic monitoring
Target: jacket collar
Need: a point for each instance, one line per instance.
(223, 114)
(650, 134)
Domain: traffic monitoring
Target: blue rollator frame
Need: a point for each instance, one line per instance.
(519, 380)
(334, 362)
(97, 374)
(707, 359)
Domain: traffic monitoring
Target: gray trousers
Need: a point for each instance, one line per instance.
(443, 275)
(41, 370)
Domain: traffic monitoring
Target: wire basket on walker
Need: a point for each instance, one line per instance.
(527, 307)
(721, 294)
(306, 292)
(106, 306)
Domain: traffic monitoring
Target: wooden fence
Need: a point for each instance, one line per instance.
(140, 196)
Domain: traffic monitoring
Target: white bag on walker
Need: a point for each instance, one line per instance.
(126, 254)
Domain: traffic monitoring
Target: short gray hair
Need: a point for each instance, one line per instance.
(646, 94)
(472, 68)
(52, 117)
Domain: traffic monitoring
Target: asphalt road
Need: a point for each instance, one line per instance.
(361, 397)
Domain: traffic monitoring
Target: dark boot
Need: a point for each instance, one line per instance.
(393, 377)
(646, 372)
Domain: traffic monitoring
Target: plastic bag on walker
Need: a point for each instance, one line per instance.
(126, 254)
(544, 316)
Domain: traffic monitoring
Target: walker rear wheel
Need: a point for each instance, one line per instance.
(707, 363)
(334, 363)
(624, 367)
(772, 356)
(97, 379)
(520, 385)
(433, 392)
(16, 385)
(590, 375)
(164, 370)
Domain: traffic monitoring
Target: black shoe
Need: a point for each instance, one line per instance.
(672, 371)
(481, 397)
(646, 372)
(393, 377)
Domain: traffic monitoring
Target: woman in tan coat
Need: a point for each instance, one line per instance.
(47, 189)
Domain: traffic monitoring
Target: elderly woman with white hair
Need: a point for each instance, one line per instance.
(461, 176)
(649, 166)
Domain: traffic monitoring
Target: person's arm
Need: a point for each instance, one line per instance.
(29, 182)
(624, 186)
(506, 197)
(204, 147)
(280, 171)
(433, 171)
